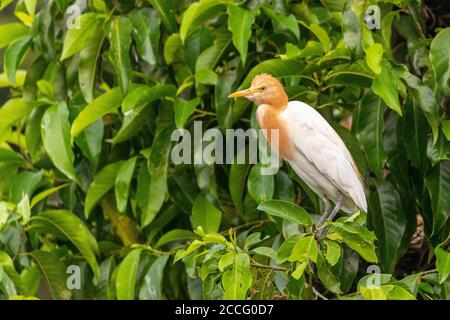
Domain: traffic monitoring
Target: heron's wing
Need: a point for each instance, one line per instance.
(317, 141)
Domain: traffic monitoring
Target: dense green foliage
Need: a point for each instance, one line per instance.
(85, 141)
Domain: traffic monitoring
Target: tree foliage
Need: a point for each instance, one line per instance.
(88, 108)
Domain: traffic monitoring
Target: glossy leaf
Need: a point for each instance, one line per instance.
(151, 289)
(119, 36)
(76, 38)
(238, 280)
(54, 273)
(240, 23)
(103, 182)
(385, 87)
(65, 224)
(107, 102)
(206, 215)
(55, 131)
(126, 275)
(369, 126)
(389, 223)
(286, 210)
(440, 59)
(260, 186)
(122, 183)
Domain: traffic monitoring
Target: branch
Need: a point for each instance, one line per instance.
(318, 294)
(263, 266)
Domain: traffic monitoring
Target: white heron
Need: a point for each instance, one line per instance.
(310, 145)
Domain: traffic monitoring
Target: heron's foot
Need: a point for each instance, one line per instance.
(319, 232)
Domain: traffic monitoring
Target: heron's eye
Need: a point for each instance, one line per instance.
(263, 88)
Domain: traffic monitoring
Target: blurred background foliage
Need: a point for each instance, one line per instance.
(86, 119)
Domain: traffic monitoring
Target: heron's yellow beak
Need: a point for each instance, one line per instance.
(244, 93)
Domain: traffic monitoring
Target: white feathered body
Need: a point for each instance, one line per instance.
(319, 156)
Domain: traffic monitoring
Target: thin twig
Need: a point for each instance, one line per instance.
(263, 266)
(318, 294)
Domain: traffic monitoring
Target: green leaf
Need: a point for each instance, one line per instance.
(266, 251)
(446, 129)
(393, 292)
(299, 269)
(157, 164)
(146, 32)
(103, 182)
(369, 126)
(206, 215)
(14, 56)
(277, 68)
(288, 22)
(55, 131)
(119, 36)
(171, 46)
(44, 194)
(10, 32)
(54, 273)
(192, 247)
(226, 260)
(321, 34)
(77, 39)
(175, 235)
(166, 11)
(442, 263)
(384, 85)
(122, 183)
(372, 293)
(107, 102)
(414, 132)
(143, 95)
(12, 111)
(333, 252)
(90, 141)
(374, 55)
(184, 109)
(304, 249)
(440, 59)
(24, 183)
(88, 65)
(238, 280)
(7, 264)
(286, 210)
(260, 186)
(126, 275)
(424, 95)
(65, 224)
(199, 12)
(437, 182)
(355, 239)
(328, 279)
(151, 288)
(10, 156)
(240, 22)
(23, 208)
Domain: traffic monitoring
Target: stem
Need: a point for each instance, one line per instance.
(318, 294)
(422, 273)
(263, 266)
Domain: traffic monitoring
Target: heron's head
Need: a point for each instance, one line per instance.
(264, 89)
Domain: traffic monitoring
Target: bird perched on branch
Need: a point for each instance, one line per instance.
(310, 145)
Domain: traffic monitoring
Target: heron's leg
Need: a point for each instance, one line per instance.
(326, 212)
(339, 201)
